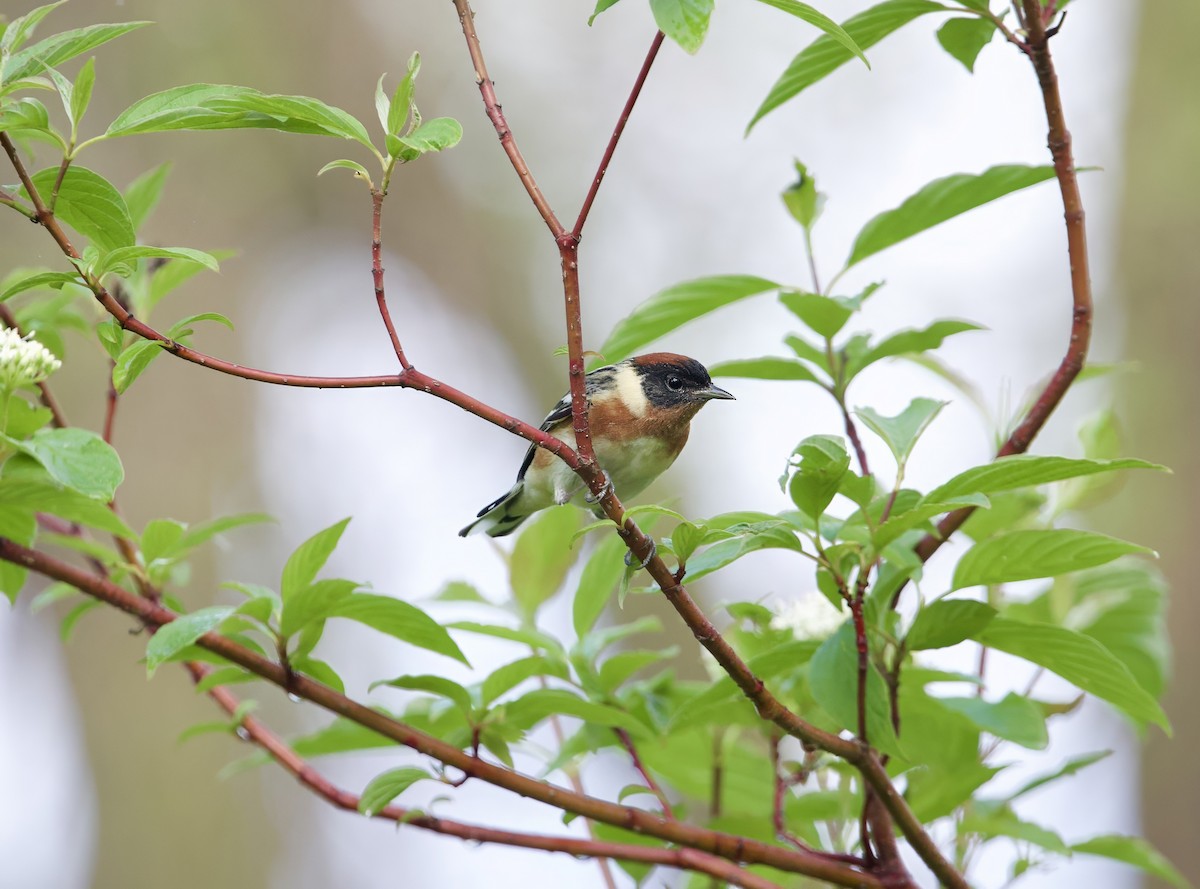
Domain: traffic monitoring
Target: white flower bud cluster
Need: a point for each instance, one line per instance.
(812, 617)
(23, 361)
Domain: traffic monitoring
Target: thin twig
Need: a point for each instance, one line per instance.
(627, 743)
(377, 275)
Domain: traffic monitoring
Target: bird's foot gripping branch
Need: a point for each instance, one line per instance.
(823, 742)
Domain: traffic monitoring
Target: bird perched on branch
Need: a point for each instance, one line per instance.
(639, 414)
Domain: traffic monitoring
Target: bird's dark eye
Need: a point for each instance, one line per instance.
(674, 384)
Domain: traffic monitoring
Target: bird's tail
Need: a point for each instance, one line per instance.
(499, 518)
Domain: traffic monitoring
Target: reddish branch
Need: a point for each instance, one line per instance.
(723, 845)
(302, 771)
(377, 275)
(627, 743)
(1037, 46)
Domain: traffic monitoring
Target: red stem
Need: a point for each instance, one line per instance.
(377, 275)
(627, 743)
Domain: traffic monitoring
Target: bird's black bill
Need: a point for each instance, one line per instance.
(716, 392)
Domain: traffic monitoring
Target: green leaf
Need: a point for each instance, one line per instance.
(55, 50)
(534, 639)
(401, 103)
(206, 106)
(503, 679)
(1080, 660)
(833, 678)
(205, 531)
(1045, 552)
(900, 433)
(1135, 851)
(531, 708)
(133, 360)
(542, 557)
(717, 556)
(438, 685)
(823, 462)
(45, 496)
(54, 280)
(908, 341)
(941, 200)
(902, 521)
(160, 539)
(600, 577)
(386, 787)
(357, 168)
(965, 38)
(801, 198)
(78, 459)
(948, 622)
(89, 204)
(316, 601)
(684, 21)
(1003, 822)
(400, 620)
(21, 28)
(172, 638)
(1069, 768)
(434, 135)
(826, 54)
(601, 5)
(81, 95)
(1026, 470)
(674, 307)
(1012, 718)
(19, 526)
(824, 315)
(820, 20)
(617, 669)
(143, 193)
(309, 558)
(123, 260)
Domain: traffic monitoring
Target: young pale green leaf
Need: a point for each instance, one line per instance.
(182, 328)
(56, 49)
(948, 622)
(824, 315)
(386, 787)
(617, 669)
(205, 531)
(965, 38)
(768, 368)
(1013, 718)
(726, 552)
(141, 197)
(601, 5)
(1123, 607)
(437, 685)
(820, 20)
(461, 591)
(81, 94)
(123, 259)
(400, 620)
(684, 21)
(27, 116)
(833, 678)
(906, 342)
(64, 89)
(542, 557)
(674, 307)
(1045, 552)
(434, 135)
(401, 103)
(76, 458)
(504, 679)
(900, 522)
(900, 433)
(21, 28)
(941, 200)
(309, 558)
(316, 601)
(89, 204)
(1080, 660)
(132, 361)
(1135, 851)
(826, 54)
(358, 169)
(801, 198)
(600, 577)
(1027, 470)
(823, 462)
(160, 539)
(382, 105)
(182, 632)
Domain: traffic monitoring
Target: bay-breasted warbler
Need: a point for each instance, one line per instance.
(639, 415)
